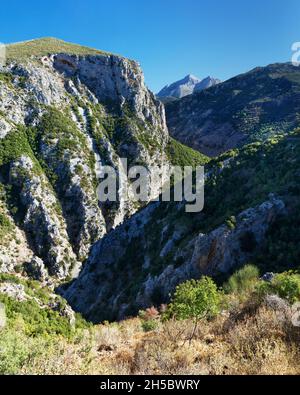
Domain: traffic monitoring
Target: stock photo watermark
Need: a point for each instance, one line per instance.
(296, 54)
(141, 184)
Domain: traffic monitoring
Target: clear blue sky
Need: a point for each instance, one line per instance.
(170, 38)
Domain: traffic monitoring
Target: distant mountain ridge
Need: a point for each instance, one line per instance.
(186, 86)
(249, 107)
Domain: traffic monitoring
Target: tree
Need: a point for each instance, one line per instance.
(196, 299)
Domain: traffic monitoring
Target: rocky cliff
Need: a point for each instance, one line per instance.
(64, 111)
(104, 289)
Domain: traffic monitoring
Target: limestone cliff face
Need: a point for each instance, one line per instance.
(102, 282)
(62, 116)
(117, 79)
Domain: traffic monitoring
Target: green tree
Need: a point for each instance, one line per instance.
(196, 299)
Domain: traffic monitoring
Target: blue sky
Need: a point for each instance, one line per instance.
(170, 38)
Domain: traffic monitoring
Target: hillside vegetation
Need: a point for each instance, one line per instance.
(249, 107)
(93, 287)
(249, 333)
(258, 169)
(44, 47)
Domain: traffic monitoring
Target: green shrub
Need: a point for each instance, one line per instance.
(4, 221)
(195, 299)
(149, 325)
(231, 222)
(6, 77)
(5, 225)
(37, 321)
(286, 285)
(243, 281)
(14, 351)
(14, 145)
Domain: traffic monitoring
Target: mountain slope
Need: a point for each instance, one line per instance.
(64, 111)
(140, 263)
(249, 107)
(186, 86)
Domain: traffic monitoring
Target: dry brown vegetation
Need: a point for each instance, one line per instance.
(257, 340)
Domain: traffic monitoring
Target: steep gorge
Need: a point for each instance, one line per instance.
(62, 114)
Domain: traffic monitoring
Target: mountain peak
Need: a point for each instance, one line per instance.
(191, 77)
(186, 86)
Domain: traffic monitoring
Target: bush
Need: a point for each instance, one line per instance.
(243, 281)
(149, 325)
(286, 285)
(14, 351)
(195, 299)
(37, 321)
(149, 318)
(231, 222)
(5, 225)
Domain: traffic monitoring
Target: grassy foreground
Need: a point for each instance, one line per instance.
(247, 336)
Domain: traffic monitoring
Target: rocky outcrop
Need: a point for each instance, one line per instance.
(36, 269)
(20, 291)
(14, 247)
(14, 291)
(224, 249)
(216, 252)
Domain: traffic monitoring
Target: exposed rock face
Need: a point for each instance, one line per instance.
(188, 85)
(40, 83)
(42, 221)
(14, 247)
(246, 108)
(13, 104)
(14, 291)
(77, 112)
(218, 251)
(5, 127)
(117, 79)
(224, 248)
(36, 269)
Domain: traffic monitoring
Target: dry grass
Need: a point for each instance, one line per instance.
(256, 342)
(45, 46)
